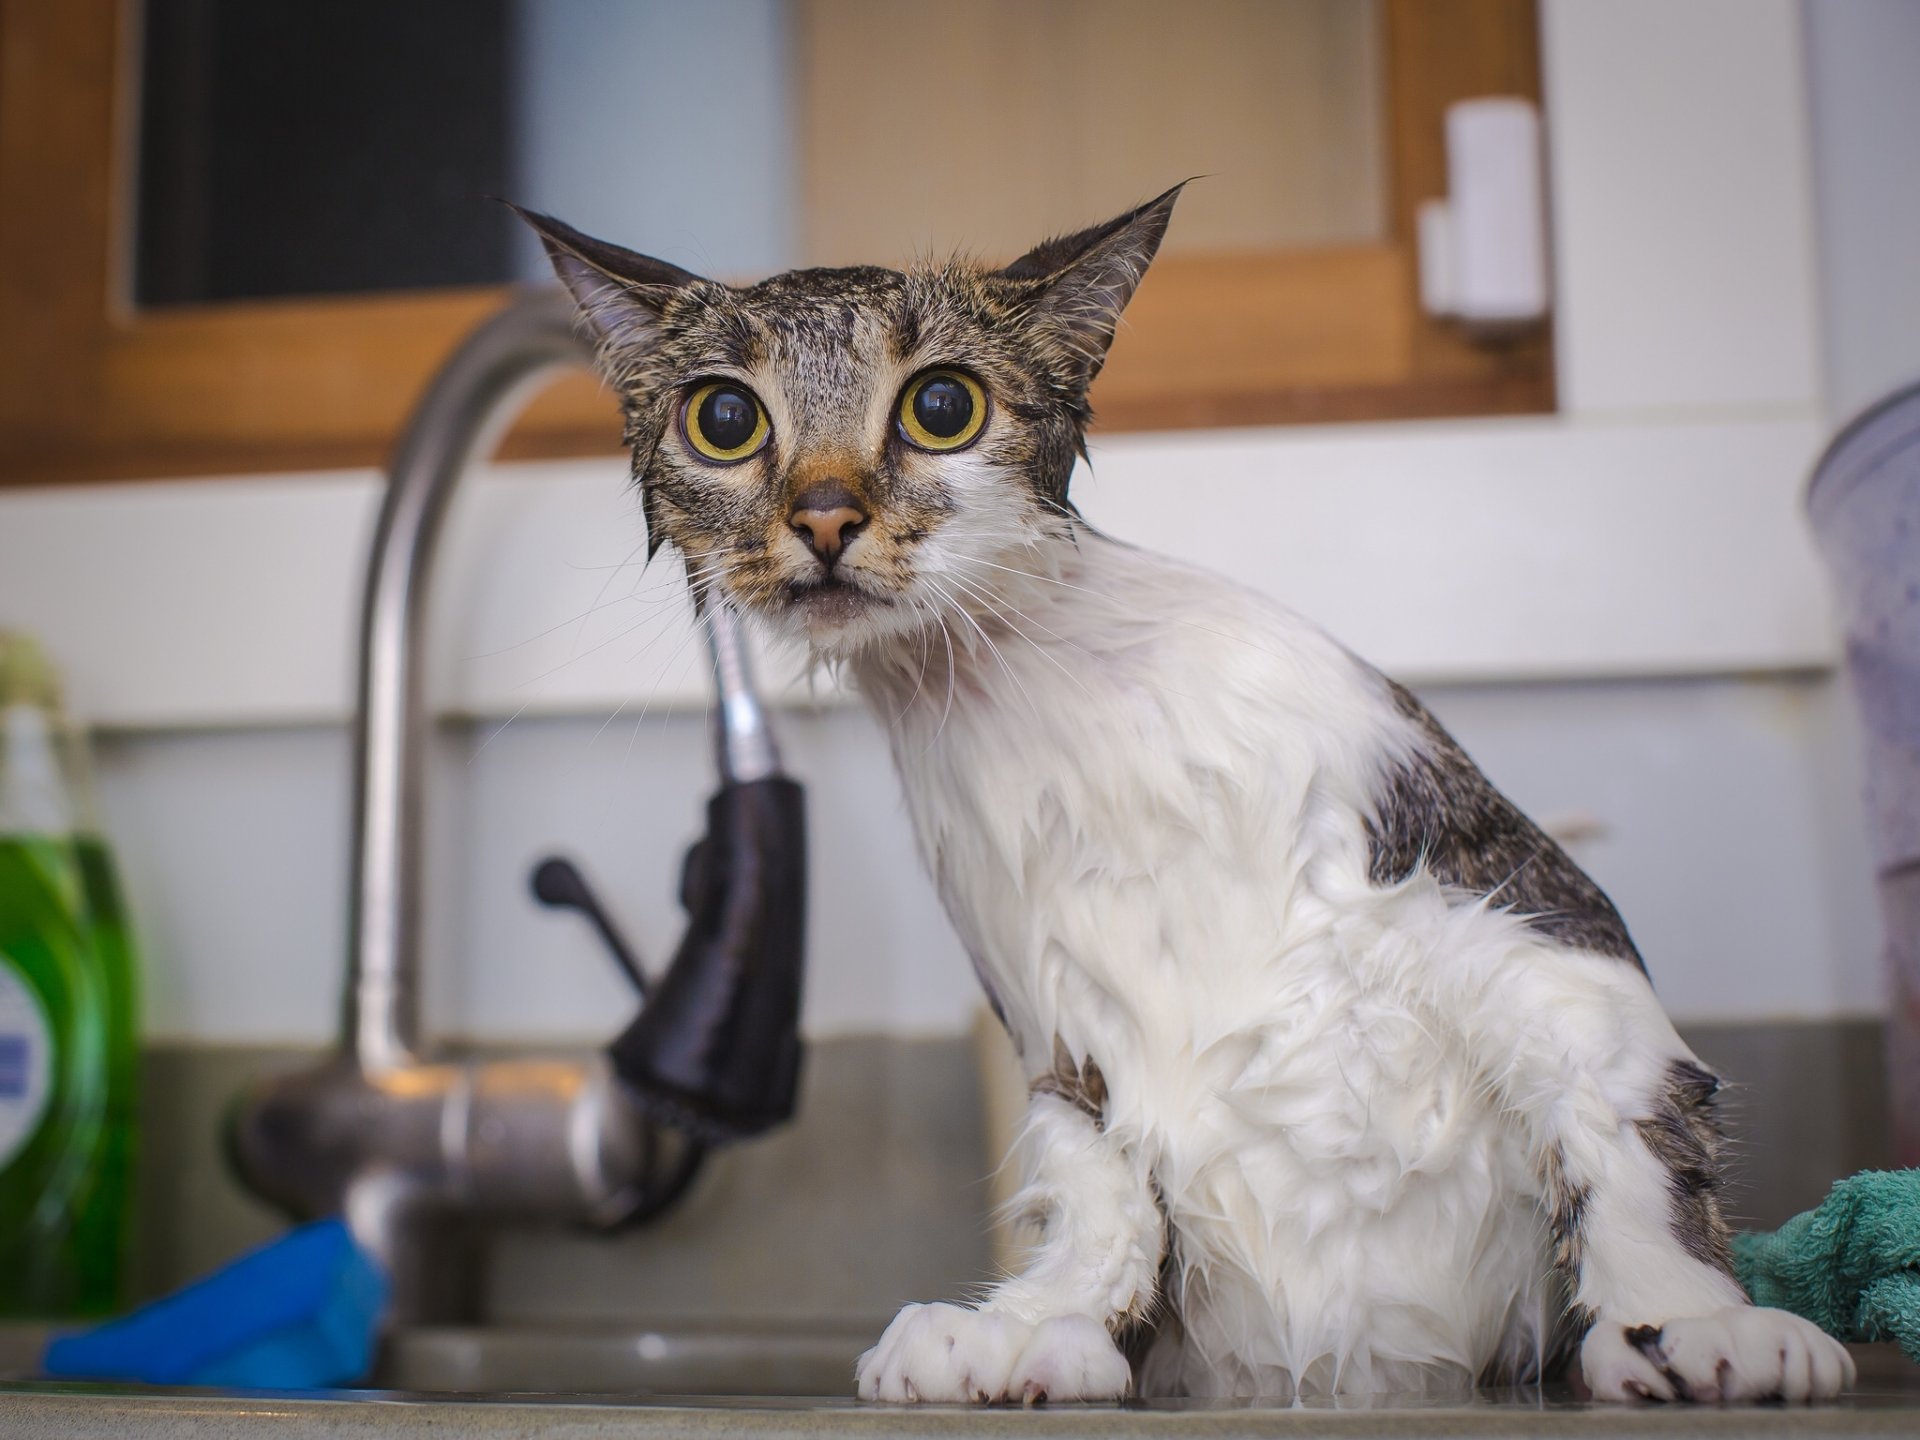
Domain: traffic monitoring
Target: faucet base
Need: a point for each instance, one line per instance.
(412, 1156)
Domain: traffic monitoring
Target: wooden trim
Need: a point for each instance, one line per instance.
(57, 70)
(1329, 404)
(91, 388)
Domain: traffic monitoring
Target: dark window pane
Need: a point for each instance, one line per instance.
(321, 148)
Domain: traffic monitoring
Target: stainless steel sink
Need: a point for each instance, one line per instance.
(815, 1359)
(812, 1359)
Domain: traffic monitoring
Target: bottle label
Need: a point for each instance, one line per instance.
(26, 1061)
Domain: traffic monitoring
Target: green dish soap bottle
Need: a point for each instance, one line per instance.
(69, 1016)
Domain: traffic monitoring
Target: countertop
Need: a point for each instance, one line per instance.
(1886, 1402)
(53, 1412)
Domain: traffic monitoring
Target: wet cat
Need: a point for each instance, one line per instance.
(1343, 1077)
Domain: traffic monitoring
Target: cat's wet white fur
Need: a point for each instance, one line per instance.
(1144, 807)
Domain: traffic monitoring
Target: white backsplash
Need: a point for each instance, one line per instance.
(1719, 813)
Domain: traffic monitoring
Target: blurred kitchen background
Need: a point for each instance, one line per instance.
(234, 242)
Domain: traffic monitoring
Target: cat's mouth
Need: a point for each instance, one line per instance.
(832, 600)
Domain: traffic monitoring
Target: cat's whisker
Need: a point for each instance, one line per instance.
(1001, 598)
(610, 719)
(666, 589)
(596, 569)
(698, 618)
(553, 629)
(1121, 606)
(495, 734)
(995, 598)
(625, 700)
(1042, 650)
(601, 594)
(662, 608)
(994, 649)
(703, 623)
(926, 647)
(702, 576)
(659, 679)
(932, 607)
(947, 709)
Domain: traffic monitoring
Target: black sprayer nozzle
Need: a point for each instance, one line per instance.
(717, 1046)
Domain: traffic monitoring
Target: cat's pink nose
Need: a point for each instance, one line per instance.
(826, 518)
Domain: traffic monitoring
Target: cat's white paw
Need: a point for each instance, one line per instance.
(951, 1354)
(943, 1353)
(1070, 1357)
(1743, 1352)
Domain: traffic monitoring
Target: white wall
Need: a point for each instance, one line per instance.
(1682, 209)
(1706, 807)
(1616, 608)
(234, 844)
(1718, 814)
(1863, 61)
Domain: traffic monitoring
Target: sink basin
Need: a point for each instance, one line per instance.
(688, 1359)
(695, 1358)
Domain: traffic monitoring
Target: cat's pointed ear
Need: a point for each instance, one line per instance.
(620, 293)
(1086, 279)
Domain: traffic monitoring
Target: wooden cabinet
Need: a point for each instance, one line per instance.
(1264, 317)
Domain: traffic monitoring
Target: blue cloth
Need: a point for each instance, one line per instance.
(300, 1313)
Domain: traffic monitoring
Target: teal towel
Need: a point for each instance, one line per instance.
(1851, 1265)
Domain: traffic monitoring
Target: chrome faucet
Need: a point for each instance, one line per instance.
(410, 1147)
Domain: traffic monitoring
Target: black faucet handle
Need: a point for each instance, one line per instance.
(558, 883)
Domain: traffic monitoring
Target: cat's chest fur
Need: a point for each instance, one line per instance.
(1139, 789)
(1147, 817)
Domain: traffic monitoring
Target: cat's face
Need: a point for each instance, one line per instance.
(848, 453)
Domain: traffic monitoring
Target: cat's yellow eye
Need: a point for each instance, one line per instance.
(942, 410)
(723, 422)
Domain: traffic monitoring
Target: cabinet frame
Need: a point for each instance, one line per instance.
(94, 388)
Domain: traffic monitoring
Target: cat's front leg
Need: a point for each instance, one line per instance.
(1046, 1333)
(1669, 1321)
(1630, 1155)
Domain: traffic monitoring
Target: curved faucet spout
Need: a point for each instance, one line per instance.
(470, 404)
